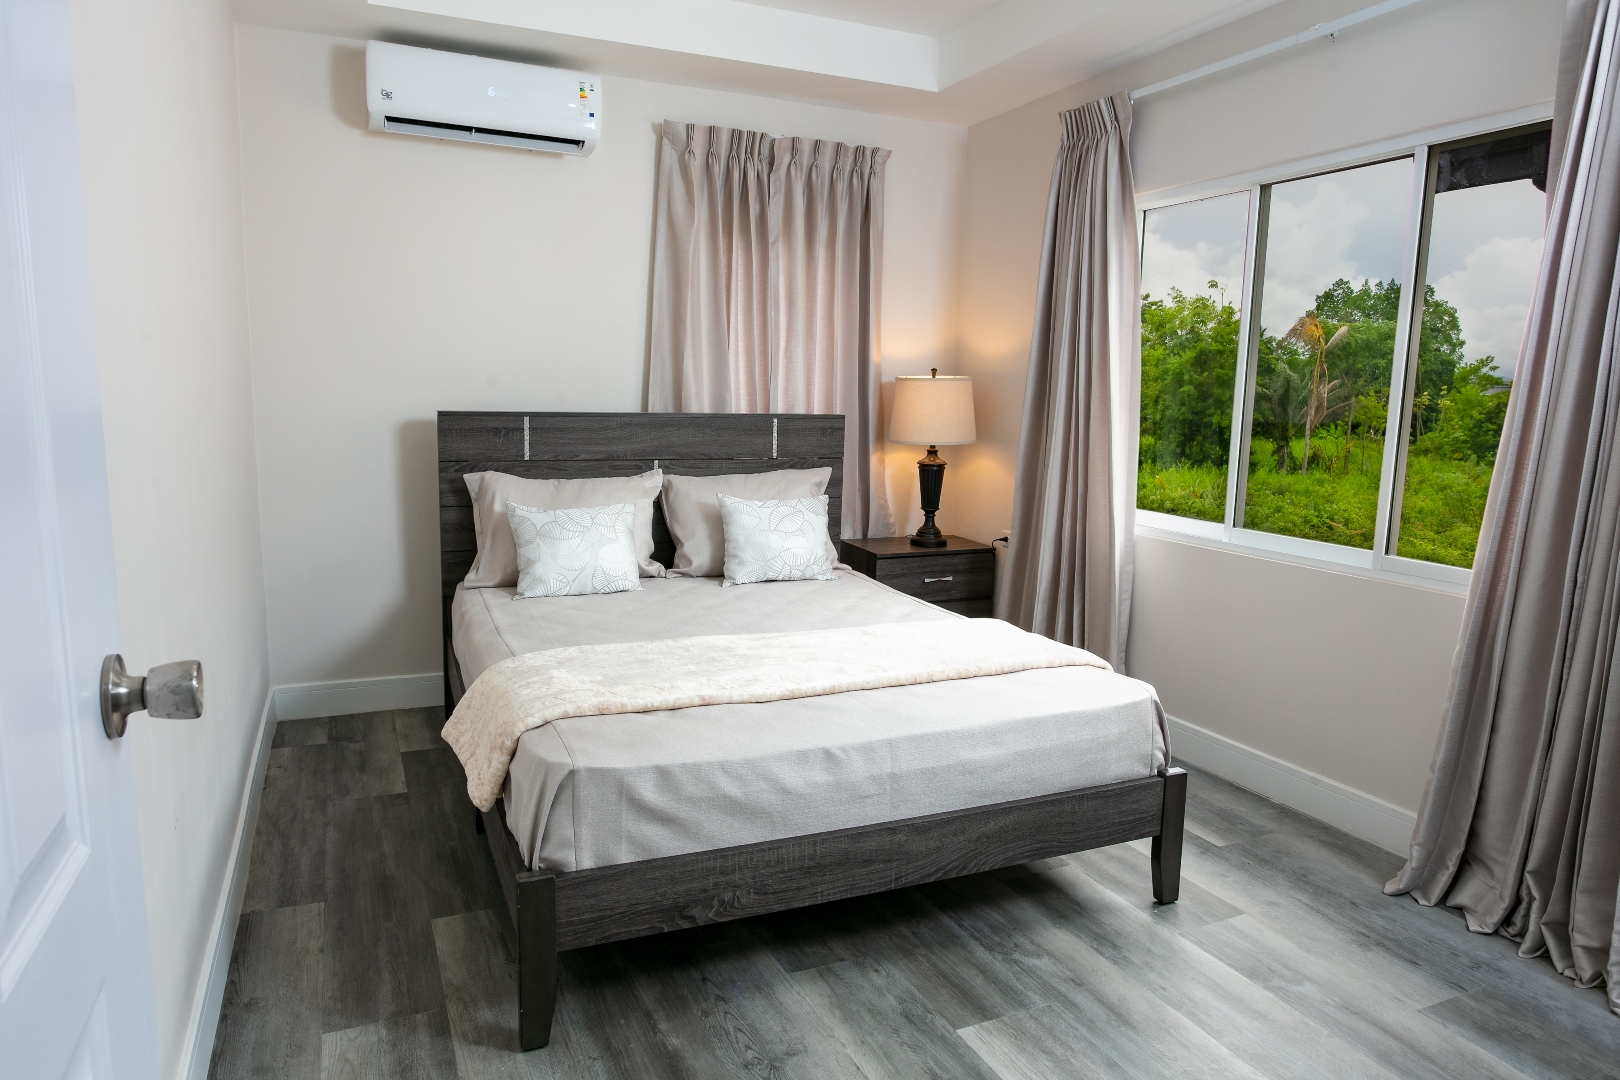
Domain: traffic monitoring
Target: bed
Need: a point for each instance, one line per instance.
(615, 827)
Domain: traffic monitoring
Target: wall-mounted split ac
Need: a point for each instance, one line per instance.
(451, 96)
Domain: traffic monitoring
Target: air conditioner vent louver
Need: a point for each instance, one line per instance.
(442, 95)
(492, 136)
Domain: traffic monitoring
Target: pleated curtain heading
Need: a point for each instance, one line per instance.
(767, 289)
(1069, 566)
(1520, 824)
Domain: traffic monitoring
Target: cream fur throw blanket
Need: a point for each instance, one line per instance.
(644, 676)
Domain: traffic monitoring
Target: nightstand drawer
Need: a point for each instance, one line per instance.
(941, 577)
(973, 609)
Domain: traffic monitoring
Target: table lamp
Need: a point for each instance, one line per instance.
(932, 412)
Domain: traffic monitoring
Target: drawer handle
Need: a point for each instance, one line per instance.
(930, 580)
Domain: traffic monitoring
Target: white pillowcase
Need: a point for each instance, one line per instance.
(495, 565)
(589, 549)
(693, 516)
(776, 540)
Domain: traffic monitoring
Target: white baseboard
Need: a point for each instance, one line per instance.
(303, 700)
(1343, 807)
(205, 1012)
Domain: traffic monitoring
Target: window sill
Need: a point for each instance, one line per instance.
(1312, 553)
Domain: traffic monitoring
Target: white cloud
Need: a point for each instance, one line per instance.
(1492, 296)
(1308, 248)
(1166, 266)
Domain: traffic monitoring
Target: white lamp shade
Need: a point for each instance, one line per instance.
(932, 411)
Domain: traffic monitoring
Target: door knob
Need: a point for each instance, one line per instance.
(169, 692)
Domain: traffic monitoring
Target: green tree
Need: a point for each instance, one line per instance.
(1471, 413)
(1189, 358)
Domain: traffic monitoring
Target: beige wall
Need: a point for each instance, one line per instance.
(158, 130)
(1381, 672)
(392, 276)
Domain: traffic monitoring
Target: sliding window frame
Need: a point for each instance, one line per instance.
(1248, 357)
(1380, 562)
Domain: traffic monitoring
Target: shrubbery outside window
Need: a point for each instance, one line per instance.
(1277, 431)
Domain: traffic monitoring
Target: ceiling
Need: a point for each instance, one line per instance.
(959, 61)
(932, 17)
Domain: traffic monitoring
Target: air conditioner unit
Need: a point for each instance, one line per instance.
(474, 99)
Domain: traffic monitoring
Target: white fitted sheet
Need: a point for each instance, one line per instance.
(599, 790)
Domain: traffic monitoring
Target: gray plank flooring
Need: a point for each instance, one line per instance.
(374, 942)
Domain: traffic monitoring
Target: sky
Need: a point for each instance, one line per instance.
(1485, 248)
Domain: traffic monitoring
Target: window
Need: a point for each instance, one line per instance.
(1284, 314)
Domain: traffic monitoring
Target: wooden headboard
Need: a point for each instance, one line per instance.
(571, 444)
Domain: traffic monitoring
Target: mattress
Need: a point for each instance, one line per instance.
(600, 790)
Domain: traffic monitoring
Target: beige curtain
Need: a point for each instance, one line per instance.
(711, 243)
(767, 285)
(1520, 825)
(1074, 503)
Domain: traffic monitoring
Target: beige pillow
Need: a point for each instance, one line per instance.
(692, 511)
(496, 563)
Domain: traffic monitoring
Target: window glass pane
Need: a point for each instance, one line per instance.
(1328, 309)
(1192, 277)
(1484, 252)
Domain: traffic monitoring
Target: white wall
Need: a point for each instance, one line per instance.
(1251, 649)
(156, 88)
(393, 276)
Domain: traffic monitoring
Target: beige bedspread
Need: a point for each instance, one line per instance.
(533, 689)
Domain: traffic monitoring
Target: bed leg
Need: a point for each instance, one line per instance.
(1166, 856)
(478, 821)
(537, 958)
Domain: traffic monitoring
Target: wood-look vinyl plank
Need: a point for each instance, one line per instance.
(478, 964)
(958, 978)
(1254, 1025)
(418, 729)
(287, 865)
(1322, 890)
(1125, 871)
(452, 864)
(1044, 1043)
(613, 1032)
(379, 960)
(1341, 998)
(379, 770)
(813, 937)
(404, 1048)
(1535, 1043)
(702, 1031)
(1226, 813)
(751, 1006)
(303, 732)
(1335, 920)
(1129, 1027)
(270, 1019)
(961, 981)
(885, 1025)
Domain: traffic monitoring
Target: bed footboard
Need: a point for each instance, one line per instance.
(570, 910)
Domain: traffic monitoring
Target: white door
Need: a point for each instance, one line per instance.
(75, 971)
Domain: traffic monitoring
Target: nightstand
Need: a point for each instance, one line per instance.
(959, 577)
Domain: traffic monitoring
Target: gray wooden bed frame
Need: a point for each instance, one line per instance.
(553, 911)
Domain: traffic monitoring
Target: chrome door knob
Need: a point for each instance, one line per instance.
(169, 691)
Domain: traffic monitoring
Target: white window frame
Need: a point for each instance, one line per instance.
(1225, 534)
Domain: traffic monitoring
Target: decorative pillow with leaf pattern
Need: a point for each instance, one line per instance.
(590, 549)
(778, 540)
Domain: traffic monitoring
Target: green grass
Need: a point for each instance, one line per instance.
(1441, 508)
(1194, 491)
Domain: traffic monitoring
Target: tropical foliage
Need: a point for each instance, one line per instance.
(1320, 413)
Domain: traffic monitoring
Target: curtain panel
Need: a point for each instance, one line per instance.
(1074, 503)
(1520, 824)
(767, 288)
